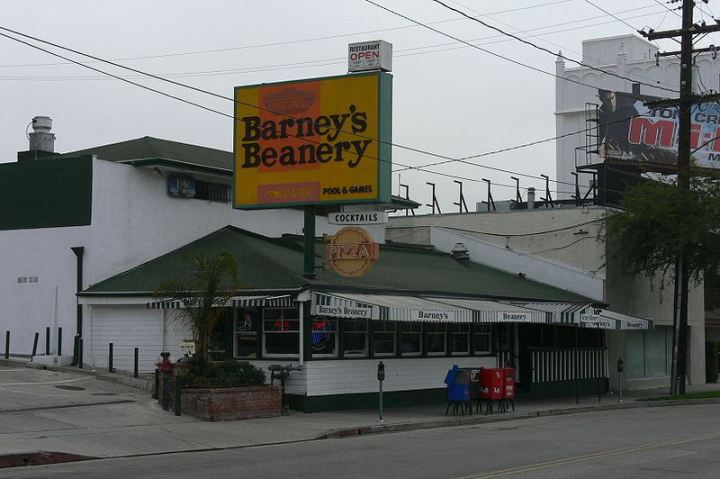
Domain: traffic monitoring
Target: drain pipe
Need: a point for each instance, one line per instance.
(79, 251)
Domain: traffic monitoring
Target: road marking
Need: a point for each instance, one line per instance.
(10, 370)
(40, 383)
(587, 457)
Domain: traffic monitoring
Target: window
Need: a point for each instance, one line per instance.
(247, 322)
(436, 334)
(324, 337)
(648, 353)
(411, 339)
(355, 338)
(482, 334)
(281, 333)
(384, 333)
(459, 338)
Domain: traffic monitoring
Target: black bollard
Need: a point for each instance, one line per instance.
(7, 344)
(156, 391)
(59, 341)
(35, 342)
(76, 341)
(135, 372)
(178, 392)
(111, 369)
(47, 341)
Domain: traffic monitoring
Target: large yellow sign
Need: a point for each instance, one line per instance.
(313, 141)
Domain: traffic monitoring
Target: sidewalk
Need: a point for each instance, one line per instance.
(94, 414)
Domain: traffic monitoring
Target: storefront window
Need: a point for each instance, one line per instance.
(246, 332)
(324, 337)
(482, 334)
(459, 338)
(355, 338)
(410, 339)
(384, 333)
(648, 353)
(436, 334)
(281, 332)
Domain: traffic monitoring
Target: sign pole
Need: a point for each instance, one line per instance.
(309, 239)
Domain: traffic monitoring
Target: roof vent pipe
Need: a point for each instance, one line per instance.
(460, 253)
(41, 139)
(531, 198)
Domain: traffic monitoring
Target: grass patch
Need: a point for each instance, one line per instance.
(701, 395)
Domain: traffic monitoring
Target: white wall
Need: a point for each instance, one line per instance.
(133, 221)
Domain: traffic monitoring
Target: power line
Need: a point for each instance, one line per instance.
(313, 63)
(543, 49)
(291, 42)
(511, 60)
(417, 150)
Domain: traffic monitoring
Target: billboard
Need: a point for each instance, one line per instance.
(316, 141)
(629, 130)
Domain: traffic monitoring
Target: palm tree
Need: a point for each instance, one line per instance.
(203, 295)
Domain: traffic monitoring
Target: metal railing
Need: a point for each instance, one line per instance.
(549, 365)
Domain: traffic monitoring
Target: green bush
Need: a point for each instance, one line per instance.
(228, 374)
(711, 362)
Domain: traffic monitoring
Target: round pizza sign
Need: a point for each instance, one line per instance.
(352, 252)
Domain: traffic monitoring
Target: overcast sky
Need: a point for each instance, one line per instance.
(448, 98)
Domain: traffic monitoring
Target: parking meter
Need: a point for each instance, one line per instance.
(381, 371)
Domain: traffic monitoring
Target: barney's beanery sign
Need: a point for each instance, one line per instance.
(319, 141)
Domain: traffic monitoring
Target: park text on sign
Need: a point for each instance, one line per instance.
(313, 142)
(351, 252)
(375, 55)
(358, 218)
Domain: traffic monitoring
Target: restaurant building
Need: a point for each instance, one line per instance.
(418, 310)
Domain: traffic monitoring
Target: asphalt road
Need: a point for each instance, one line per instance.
(680, 441)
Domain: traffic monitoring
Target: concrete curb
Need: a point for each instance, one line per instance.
(472, 420)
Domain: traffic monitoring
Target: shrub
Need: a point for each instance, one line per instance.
(228, 374)
(711, 362)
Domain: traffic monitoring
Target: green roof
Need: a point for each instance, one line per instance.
(148, 149)
(276, 264)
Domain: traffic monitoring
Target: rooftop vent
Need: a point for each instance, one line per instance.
(460, 253)
(41, 139)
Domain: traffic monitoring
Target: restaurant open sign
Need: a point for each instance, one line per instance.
(313, 141)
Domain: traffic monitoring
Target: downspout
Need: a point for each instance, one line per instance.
(78, 250)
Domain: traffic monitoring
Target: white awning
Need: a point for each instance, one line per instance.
(386, 307)
(560, 313)
(615, 320)
(485, 311)
(586, 316)
(236, 301)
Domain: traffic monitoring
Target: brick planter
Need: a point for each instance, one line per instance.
(229, 404)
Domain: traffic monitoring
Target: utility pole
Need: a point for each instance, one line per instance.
(687, 98)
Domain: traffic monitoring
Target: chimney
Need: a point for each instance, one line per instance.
(531, 198)
(460, 253)
(41, 139)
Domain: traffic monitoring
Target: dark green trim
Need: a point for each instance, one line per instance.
(339, 402)
(46, 193)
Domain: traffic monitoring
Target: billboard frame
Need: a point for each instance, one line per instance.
(383, 139)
